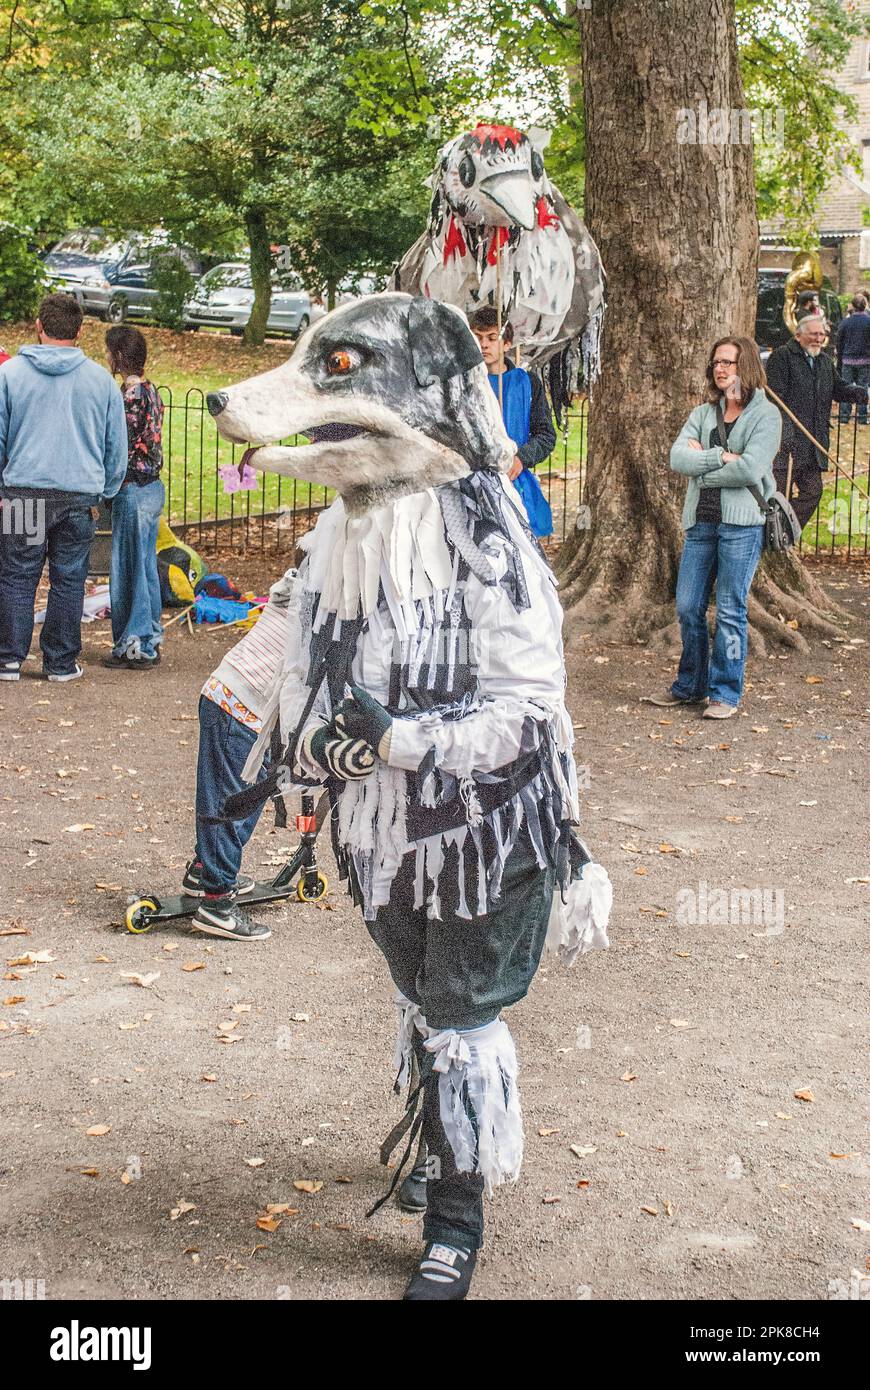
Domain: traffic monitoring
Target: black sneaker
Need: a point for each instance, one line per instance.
(74, 675)
(221, 917)
(443, 1275)
(129, 663)
(411, 1192)
(192, 881)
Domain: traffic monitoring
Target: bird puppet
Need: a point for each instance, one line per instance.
(498, 228)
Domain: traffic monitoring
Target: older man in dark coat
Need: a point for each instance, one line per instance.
(806, 380)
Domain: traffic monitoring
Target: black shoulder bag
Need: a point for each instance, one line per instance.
(782, 529)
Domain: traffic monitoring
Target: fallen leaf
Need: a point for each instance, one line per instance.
(90, 1172)
(282, 1208)
(760, 729)
(268, 1223)
(208, 1078)
(127, 1027)
(171, 946)
(864, 879)
(583, 1150)
(683, 955)
(342, 1178)
(668, 849)
(679, 1023)
(300, 1018)
(814, 680)
(650, 1211)
(833, 1155)
(641, 870)
(77, 829)
(734, 820)
(194, 965)
(102, 960)
(143, 981)
(781, 1115)
(125, 1178)
(181, 1209)
(14, 931)
(255, 1162)
(32, 958)
(584, 1182)
(241, 1008)
(229, 1038)
(96, 1130)
(668, 1208)
(806, 1094)
(15, 999)
(229, 1025)
(809, 803)
(107, 887)
(307, 1185)
(545, 1133)
(860, 1225)
(628, 1076)
(550, 1201)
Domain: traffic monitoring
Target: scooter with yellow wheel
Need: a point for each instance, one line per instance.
(146, 912)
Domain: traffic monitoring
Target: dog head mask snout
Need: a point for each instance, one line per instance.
(391, 390)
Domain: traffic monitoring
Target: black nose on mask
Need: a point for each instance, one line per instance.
(216, 401)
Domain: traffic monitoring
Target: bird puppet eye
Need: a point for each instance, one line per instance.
(537, 165)
(340, 362)
(466, 171)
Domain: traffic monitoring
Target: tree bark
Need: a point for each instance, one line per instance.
(261, 275)
(674, 219)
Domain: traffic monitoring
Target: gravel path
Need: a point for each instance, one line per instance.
(670, 1062)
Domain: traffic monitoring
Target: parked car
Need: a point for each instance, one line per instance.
(112, 276)
(770, 327)
(224, 297)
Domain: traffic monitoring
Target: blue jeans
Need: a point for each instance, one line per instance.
(134, 584)
(65, 538)
(729, 555)
(855, 376)
(224, 745)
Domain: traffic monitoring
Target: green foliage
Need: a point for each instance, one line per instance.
(174, 285)
(22, 275)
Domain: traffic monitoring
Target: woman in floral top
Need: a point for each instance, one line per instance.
(134, 583)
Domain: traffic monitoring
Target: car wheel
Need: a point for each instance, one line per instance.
(117, 311)
(237, 332)
(303, 324)
(191, 328)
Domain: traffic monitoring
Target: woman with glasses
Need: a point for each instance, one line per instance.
(726, 446)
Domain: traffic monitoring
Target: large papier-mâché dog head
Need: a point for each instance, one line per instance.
(393, 394)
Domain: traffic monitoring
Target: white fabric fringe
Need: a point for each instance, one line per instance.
(579, 923)
(477, 1073)
(409, 1019)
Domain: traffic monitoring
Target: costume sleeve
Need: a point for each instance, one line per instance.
(693, 462)
(755, 460)
(521, 676)
(542, 436)
(115, 452)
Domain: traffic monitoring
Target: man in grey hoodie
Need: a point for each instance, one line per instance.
(63, 446)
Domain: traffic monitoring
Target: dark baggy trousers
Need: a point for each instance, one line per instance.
(806, 480)
(462, 973)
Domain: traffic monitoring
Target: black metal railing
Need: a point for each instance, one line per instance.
(272, 516)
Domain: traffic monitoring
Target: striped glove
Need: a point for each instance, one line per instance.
(345, 758)
(363, 717)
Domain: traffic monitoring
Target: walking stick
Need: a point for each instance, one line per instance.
(803, 429)
(498, 314)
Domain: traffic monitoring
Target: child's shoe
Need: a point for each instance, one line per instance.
(192, 881)
(220, 917)
(443, 1275)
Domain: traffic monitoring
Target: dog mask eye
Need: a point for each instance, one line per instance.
(341, 362)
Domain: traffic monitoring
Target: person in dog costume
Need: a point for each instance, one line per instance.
(426, 686)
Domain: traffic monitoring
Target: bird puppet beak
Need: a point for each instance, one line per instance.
(512, 191)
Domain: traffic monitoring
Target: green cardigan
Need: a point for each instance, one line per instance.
(755, 436)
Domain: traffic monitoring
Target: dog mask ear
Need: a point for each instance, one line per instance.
(442, 345)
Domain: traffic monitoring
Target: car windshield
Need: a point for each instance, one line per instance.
(226, 276)
(101, 245)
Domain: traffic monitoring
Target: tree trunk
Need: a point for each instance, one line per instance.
(261, 275)
(674, 219)
(331, 287)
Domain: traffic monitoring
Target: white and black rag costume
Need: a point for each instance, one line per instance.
(458, 846)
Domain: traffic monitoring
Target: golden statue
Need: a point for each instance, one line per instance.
(805, 276)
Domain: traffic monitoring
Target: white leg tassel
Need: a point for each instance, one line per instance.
(578, 923)
(478, 1099)
(409, 1019)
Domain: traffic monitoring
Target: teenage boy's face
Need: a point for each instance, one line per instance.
(490, 345)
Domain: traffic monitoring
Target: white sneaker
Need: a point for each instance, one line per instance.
(10, 672)
(68, 675)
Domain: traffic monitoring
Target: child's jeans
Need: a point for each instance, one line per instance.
(224, 745)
